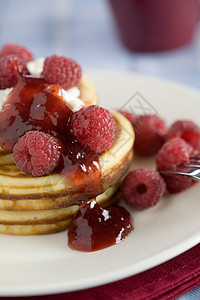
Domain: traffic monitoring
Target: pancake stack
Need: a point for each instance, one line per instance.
(40, 205)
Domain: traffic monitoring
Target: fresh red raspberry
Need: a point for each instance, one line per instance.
(37, 153)
(187, 130)
(61, 71)
(94, 127)
(17, 50)
(150, 133)
(174, 153)
(143, 188)
(131, 117)
(10, 68)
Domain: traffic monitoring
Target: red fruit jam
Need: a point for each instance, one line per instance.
(35, 105)
(95, 227)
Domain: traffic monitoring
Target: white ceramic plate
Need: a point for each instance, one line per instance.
(37, 265)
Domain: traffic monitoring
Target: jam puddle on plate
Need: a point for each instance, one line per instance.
(94, 227)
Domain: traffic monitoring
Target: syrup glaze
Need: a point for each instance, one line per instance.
(94, 227)
(35, 105)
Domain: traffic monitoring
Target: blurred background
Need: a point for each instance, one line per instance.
(87, 31)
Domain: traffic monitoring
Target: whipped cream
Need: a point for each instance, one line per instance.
(35, 67)
(70, 96)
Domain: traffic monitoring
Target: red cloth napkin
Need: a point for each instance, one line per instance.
(166, 281)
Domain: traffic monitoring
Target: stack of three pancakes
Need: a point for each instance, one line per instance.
(40, 205)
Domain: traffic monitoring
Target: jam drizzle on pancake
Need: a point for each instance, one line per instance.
(35, 105)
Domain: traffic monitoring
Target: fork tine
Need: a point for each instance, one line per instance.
(195, 174)
(195, 162)
(175, 173)
(195, 158)
(190, 170)
(190, 166)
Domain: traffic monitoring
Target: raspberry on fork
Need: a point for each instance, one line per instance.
(150, 133)
(61, 71)
(187, 130)
(143, 188)
(94, 127)
(174, 153)
(17, 50)
(10, 68)
(37, 153)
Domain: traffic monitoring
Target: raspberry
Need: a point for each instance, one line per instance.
(17, 50)
(150, 133)
(94, 127)
(10, 68)
(174, 153)
(131, 117)
(186, 130)
(37, 153)
(143, 188)
(61, 71)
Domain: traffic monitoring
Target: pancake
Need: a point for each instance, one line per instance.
(40, 205)
(49, 221)
(6, 158)
(88, 90)
(19, 191)
(34, 229)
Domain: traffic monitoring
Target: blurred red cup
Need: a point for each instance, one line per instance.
(155, 25)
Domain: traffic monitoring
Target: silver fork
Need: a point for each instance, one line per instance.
(191, 170)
